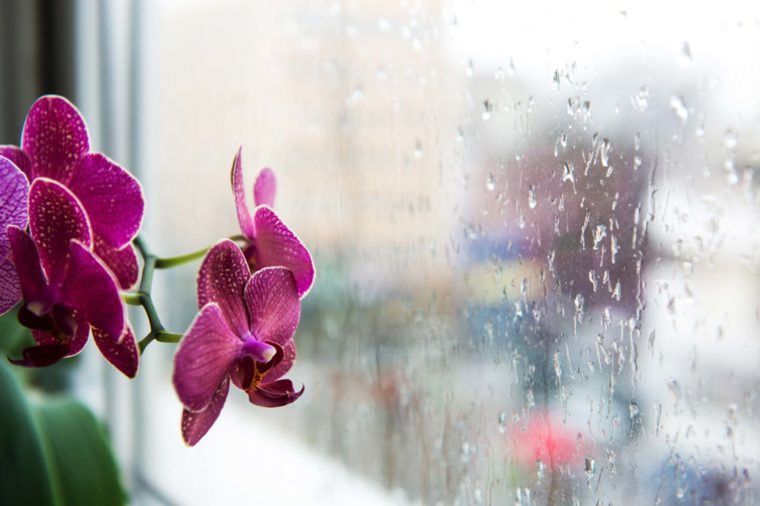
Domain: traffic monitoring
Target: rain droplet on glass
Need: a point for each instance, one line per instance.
(679, 106)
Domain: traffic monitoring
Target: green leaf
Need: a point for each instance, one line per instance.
(24, 476)
(13, 337)
(80, 461)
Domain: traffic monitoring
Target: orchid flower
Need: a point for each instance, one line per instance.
(269, 241)
(55, 145)
(243, 334)
(13, 212)
(66, 288)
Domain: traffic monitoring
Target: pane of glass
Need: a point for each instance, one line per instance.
(533, 232)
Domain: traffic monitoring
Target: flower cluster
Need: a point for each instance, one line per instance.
(69, 219)
(250, 306)
(83, 212)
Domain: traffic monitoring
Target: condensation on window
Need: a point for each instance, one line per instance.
(533, 226)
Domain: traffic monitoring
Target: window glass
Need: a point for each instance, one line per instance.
(533, 227)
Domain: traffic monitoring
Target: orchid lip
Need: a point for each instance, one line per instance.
(258, 350)
(37, 308)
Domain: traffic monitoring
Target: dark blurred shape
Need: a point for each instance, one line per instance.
(36, 57)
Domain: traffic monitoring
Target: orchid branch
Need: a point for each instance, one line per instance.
(142, 297)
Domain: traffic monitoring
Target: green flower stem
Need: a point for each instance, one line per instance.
(132, 298)
(142, 297)
(169, 262)
(163, 336)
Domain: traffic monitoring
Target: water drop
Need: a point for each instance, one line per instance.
(685, 58)
(579, 302)
(540, 469)
(679, 106)
(502, 422)
(573, 104)
(600, 232)
(568, 172)
(637, 161)
(618, 291)
(490, 183)
(487, 109)
(561, 141)
(589, 467)
(470, 69)
(636, 141)
(356, 96)
(675, 388)
(614, 248)
(633, 410)
(592, 279)
(604, 152)
(556, 79)
(532, 197)
(641, 99)
(417, 150)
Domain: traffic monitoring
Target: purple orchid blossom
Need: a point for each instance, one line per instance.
(13, 212)
(55, 145)
(243, 334)
(66, 289)
(269, 241)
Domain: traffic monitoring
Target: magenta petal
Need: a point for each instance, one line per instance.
(274, 395)
(54, 137)
(18, 157)
(80, 337)
(41, 356)
(275, 244)
(204, 357)
(55, 218)
(244, 216)
(74, 346)
(27, 262)
(265, 188)
(196, 425)
(241, 372)
(13, 200)
(122, 262)
(10, 288)
(122, 354)
(111, 196)
(285, 364)
(273, 304)
(90, 289)
(221, 279)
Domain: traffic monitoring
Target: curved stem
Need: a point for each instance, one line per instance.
(142, 297)
(132, 298)
(144, 294)
(168, 262)
(163, 336)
